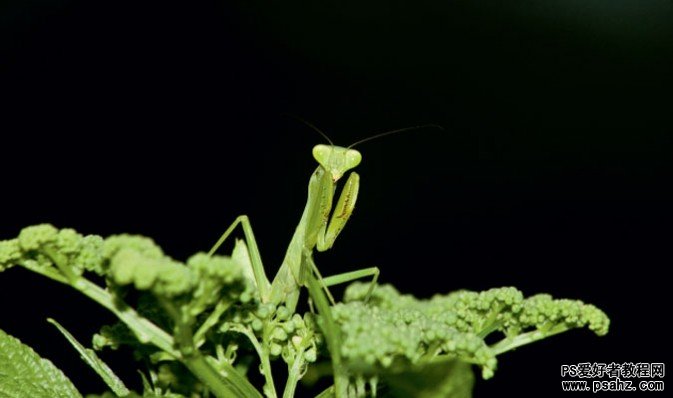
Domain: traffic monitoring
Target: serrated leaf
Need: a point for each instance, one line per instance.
(24, 374)
(97, 364)
(445, 378)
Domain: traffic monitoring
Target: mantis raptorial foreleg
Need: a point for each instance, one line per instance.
(321, 222)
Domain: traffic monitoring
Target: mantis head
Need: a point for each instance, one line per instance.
(336, 160)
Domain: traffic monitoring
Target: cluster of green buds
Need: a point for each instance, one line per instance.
(55, 252)
(287, 334)
(545, 313)
(403, 328)
(376, 338)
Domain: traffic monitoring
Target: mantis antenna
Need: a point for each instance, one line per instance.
(313, 127)
(423, 126)
(310, 125)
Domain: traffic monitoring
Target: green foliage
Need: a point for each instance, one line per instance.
(441, 378)
(90, 357)
(200, 327)
(24, 374)
(375, 338)
(393, 328)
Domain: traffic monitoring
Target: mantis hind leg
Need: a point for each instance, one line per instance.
(354, 275)
(344, 278)
(255, 258)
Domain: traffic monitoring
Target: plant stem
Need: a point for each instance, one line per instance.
(263, 355)
(294, 374)
(62, 265)
(511, 343)
(229, 385)
(48, 272)
(220, 308)
(146, 331)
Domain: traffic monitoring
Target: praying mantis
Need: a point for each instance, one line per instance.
(321, 223)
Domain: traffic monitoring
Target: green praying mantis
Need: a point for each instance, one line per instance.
(321, 223)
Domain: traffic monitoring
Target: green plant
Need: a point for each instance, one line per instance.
(202, 328)
(203, 325)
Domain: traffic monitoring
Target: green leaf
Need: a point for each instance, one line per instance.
(327, 393)
(443, 378)
(24, 374)
(97, 364)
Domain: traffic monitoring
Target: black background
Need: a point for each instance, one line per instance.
(166, 119)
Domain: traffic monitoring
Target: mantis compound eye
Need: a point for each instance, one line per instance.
(352, 158)
(321, 153)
